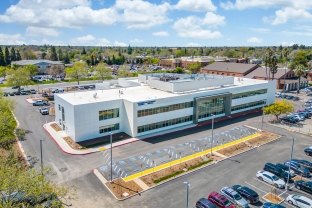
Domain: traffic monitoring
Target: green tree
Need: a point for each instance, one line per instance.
(18, 56)
(83, 52)
(13, 54)
(300, 58)
(19, 77)
(60, 55)
(32, 69)
(7, 124)
(66, 58)
(103, 72)
(194, 67)
(179, 70)
(267, 61)
(53, 54)
(2, 61)
(299, 72)
(279, 107)
(7, 57)
(77, 71)
(273, 66)
(129, 50)
(3, 71)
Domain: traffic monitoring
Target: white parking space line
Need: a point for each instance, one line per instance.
(255, 187)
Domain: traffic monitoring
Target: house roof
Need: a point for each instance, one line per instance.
(261, 72)
(35, 61)
(230, 67)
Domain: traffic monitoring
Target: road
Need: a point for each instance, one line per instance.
(76, 170)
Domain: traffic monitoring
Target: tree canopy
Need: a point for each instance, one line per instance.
(103, 72)
(279, 107)
(77, 71)
(194, 67)
(19, 77)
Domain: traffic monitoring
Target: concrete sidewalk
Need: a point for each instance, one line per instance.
(58, 136)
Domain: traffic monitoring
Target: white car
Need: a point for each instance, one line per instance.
(271, 179)
(299, 201)
(234, 197)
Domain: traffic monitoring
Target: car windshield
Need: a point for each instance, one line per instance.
(237, 197)
(227, 203)
(275, 178)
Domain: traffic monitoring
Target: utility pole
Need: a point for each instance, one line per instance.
(212, 126)
(41, 159)
(187, 186)
(111, 157)
(262, 119)
(291, 155)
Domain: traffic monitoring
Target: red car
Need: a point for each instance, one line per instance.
(220, 200)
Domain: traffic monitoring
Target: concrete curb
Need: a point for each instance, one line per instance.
(192, 171)
(19, 143)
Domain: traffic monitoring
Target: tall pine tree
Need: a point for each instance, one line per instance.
(53, 55)
(13, 54)
(66, 59)
(18, 56)
(7, 57)
(2, 62)
(60, 54)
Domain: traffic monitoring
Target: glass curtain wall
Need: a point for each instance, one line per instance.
(208, 107)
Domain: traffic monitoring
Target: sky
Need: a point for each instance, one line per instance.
(156, 22)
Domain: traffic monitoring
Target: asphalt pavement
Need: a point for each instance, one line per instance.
(75, 170)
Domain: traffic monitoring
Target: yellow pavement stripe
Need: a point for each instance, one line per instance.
(102, 148)
(187, 158)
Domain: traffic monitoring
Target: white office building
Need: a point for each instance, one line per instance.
(154, 103)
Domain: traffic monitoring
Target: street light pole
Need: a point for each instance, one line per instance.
(291, 155)
(187, 185)
(212, 126)
(262, 119)
(41, 159)
(111, 157)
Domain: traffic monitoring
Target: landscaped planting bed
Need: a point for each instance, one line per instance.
(122, 189)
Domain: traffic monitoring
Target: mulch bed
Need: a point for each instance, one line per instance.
(235, 149)
(73, 144)
(265, 137)
(56, 127)
(273, 198)
(119, 187)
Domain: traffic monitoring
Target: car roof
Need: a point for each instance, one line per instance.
(268, 173)
(304, 198)
(207, 202)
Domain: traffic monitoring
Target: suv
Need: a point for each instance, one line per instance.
(250, 195)
(308, 151)
(40, 103)
(304, 186)
(205, 203)
(298, 169)
(271, 205)
(304, 163)
(44, 111)
(285, 168)
(234, 197)
(277, 171)
(220, 200)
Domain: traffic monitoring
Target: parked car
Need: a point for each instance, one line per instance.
(298, 169)
(5, 94)
(270, 167)
(44, 111)
(304, 186)
(220, 200)
(304, 163)
(204, 203)
(308, 151)
(271, 179)
(271, 205)
(234, 197)
(32, 91)
(250, 195)
(12, 93)
(299, 201)
(40, 103)
(17, 93)
(286, 169)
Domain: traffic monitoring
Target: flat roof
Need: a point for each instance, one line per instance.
(36, 61)
(141, 93)
(230, 67)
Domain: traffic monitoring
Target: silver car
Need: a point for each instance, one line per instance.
(234, 197)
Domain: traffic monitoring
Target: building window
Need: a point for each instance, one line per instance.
(248, 105)
(108, 114)
(214, 106)
(163, 109)
(109, 128)
(250, 93)
(63, 114)
(162, 124)
(59, 107)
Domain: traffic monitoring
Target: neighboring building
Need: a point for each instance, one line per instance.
(255, 61)
(229, 69)
(284, 77)
(42, 64)
(156, 103)
(185, 61)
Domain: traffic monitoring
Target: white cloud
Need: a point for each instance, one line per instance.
(141, 14)
(196, 5)
(120, 44)
(161, 34)
(58, 13)
(195, 27)
(285, 14)
(41, 31)
(90, 40)
(11, 39)
(45, 41)
(136, 40)
(193, 45)
(254, 40)
(214, 19)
